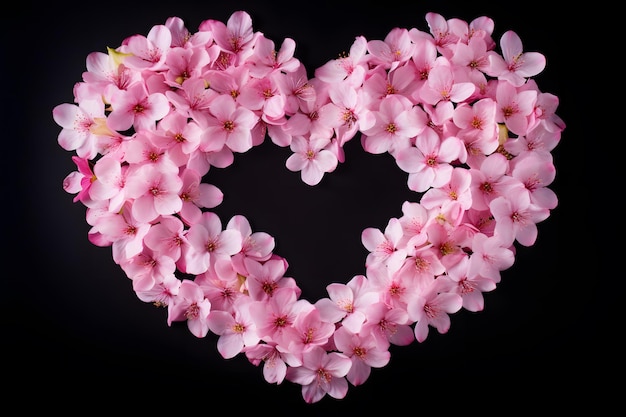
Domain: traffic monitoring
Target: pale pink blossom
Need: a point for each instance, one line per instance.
(349, 69)
(267, 59)
(346, 113)
(421, 266)
(167, 237)
(516, 219)
(221, 285)
(275, 315)
(442, 86)
(321, 373)
(428, 162)
(264, 97)
(256, 245)
(147, 269)
(106, 73)
(388, 326)
(125, 231)
(235, 330)
(308, 330)
(264, 278)
(79, 125)
(514, 65)
(457, 189)
(109, 182)
(364, 352)
(383, 246)
(433, 308)
(147, 52)
(536, 171)
(143, 150)
(161, 293)
(490, 180)
(236, 37)
(470, 287)
(136, 108)
(489, 257)
(209, 242)
(515, 107)
(312, 158)
(197, 195)
(444, 38)
(229, 124)
(397, 123)
(153, 192)
(191, 306)
(274, 360)
(413, 221)
(392, 51)
(192, 99)
(184, 64)
(347, 303)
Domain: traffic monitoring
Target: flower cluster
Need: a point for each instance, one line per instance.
(468, 125)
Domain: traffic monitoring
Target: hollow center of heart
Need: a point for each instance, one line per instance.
(317, 229)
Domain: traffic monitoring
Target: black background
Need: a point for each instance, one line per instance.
(79, 337)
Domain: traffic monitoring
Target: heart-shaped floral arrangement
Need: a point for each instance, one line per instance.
(467, 124)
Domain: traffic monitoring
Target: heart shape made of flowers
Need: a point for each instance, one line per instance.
(467, 124)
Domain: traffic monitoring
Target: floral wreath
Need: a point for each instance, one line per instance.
(468, 125)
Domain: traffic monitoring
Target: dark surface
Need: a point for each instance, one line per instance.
(75, 329)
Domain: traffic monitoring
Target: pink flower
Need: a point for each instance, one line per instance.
(321, 373)
(235, 331)
(388, 326)
(190, 305)
(397, 122)
(393, 51)
(137, 108)
(308, 330)
(350, 69)
(196, 195)
(256, 245)
(263, 279)
(147, 52)
(192, 99)
(347, 303)
(184, 64)
(209, 242)
(428, 162)
(384, 247)
(470, 287)
(79, 124)
(489, 257)
(266, 59)
(441, 86)
(274, 359)
(364, 353)
(311, 158)
(274, 316)
(167, 237)
(154, 192)
(236, 36)
(516, 218)
(514, 65)
(515, 107)
(457, 190)
(79, 182)
(229, 124)
(536, 171)
(432, 308)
